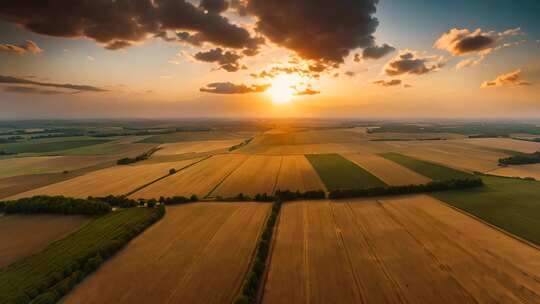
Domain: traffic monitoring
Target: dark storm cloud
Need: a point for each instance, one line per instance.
(409, 62)
(377, 52)
(215, 6)
(388, 83)
(118, 24)
(318, 30)
(28, 47)
(231, 88)
(15, 80)
(31, 90)
(226, 60)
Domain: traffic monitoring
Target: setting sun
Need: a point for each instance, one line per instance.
(283, 88)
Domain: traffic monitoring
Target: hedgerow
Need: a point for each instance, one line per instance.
(55, 204)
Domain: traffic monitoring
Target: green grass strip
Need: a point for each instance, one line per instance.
(426, 168)
(337, 172)
(509, 203)
(50, 274)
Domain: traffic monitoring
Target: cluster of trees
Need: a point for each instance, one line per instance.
(254, 278)
(521, 159)
(10, 139)
(240, 145)
(292, 196)
(453, 184)
(120, 201)
(55, 204)
(144, 156)
(82, 253)
(4, 152)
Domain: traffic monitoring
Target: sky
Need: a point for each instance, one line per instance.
(270, 58)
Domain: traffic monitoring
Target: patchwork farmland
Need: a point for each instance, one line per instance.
(388, 251)
(197, 254)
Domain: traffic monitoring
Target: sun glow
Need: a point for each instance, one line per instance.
(283, 88)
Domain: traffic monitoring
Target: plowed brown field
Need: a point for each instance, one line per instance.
(297, 174)
(388, 171)
(198, 253)
(199, 179)
(23, 235)
(116, 180)
(412, 249)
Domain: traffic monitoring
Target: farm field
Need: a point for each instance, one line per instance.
(386, 170)
(338, 172)
(199, 179)
(51, 144)
(504, 144)
(532, 170)
(509, 203)
(121, 147)
(198, 253)
(37, 274)
(426, 168)
(34, 232)
(46, 164)
(297, 174)
(388, 251)
(115, 180)
(258, 174)
(196, 136)
(195, 146)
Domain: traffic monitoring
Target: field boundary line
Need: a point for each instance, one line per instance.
(209, 195)
(273, 241)
(493, 226)
(165, 176)
(277, 175)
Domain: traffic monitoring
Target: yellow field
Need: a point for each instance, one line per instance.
(116, 180)
(199, 179)
(195, 146)
(23, 235)
(46, 164)
(258, 174)
(532, 170)
(297, 174)
(198, 253)
(411, 249)
(505, 144)
(388, 171)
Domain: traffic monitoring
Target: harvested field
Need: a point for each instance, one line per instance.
(198, 253)
(425, 168)
(199, 179)
(532, 170)
(116, 180)
(46, 164)
(367, 251)
(388, 171)
(297, 174)
(339, 173)
(258, 174)
(196, 146)
(33, 233)
(504, 144)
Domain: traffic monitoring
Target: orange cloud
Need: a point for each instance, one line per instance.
(508, 79)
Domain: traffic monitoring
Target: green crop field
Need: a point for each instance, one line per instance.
(428, 169)
(509, 203)
(51, 144)
(72, 257)
(338, 172)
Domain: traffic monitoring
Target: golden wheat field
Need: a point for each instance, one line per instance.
(298, 174)
(116, 180)
(522, 171)
(199, 179)
(388, 171)
(198, 253)
(195, 146)
(388, 251)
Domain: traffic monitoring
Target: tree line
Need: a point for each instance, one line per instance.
(452, 184)
(130, 160)
(254, 279)
(521, 159)
(55, 204)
